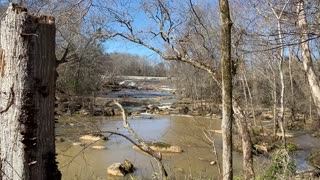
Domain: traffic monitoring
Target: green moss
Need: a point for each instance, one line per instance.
(238, 177)
(292, 147)
(160, 144)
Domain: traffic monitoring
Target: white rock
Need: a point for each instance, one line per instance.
(212, 162)
(114, 170)
(90, 138)
(77, 143)
(99, 147)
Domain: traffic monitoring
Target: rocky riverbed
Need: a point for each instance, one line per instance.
(157, 115)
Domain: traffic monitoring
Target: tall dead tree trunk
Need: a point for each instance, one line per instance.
(226, 90)
(27, 78)
(292, 99)
(280, 65)
(243, 130)
(306, 58)
(274, 97)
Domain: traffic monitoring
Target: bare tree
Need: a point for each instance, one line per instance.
(280, 64)
(226, 125)
(307, 58)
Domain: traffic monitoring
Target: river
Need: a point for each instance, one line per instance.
(184, 131)
(82, 162)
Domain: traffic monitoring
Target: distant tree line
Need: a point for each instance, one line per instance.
(89, 71)
(134, 65)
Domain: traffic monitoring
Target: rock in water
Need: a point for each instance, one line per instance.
(120, 169)
(99, 147)
(78, 144)
(115, 169)
(93, 137)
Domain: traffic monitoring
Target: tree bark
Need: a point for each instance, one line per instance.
(274, 96)
(243, 130)
(27, 78)
(280, 64)
(307, 60)
(292, 99)
(226, 125)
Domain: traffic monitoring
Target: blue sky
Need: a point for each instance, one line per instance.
(140, 22)
(123, 46)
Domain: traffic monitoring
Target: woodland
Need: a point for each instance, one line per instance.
(251, 65)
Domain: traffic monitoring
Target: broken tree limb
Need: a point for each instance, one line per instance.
(142, 144)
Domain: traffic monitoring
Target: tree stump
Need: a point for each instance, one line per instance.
(27, 88)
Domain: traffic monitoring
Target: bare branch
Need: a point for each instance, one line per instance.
(211, 139)
(142, 144)
(64, 56)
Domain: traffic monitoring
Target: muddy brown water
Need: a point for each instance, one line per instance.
(83, 162)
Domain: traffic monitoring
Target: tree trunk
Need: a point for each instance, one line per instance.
(246, 141)
(274, 96)
(27, 78)
(280, 64)
(292, 100)
(306, 58)
(226, 125)
(244, 74)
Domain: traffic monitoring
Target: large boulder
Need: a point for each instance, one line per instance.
(120, 169)
(115, 170)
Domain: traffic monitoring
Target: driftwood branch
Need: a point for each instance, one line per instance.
(141, 143)
(212, 141)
